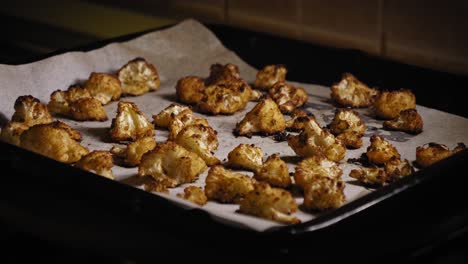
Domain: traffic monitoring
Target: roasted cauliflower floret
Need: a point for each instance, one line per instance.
(55, 141)
(104, 87)
(189, 89)
(315, 167)
(324, 193)
(381, 151)
(352, 92)
(408, 121)
(297, 120)
(225, 186)
(134, 151)
(154, 186)
(222, 99)
(275, 172)
(348, 127)
(255, 95)
(182, 120)
(223, 74)
(164, 118)
(388, 105)
(269, 75)
(12, 131)
(270, 203)
(201, 140)
(315, 141)
(431, 153)
(194, 194)
(171, 164)
(30, 111)
(287, 96)
(99, 162)
(246, 156)
(264, 118)
(130, 123)
(393, 170)
(138, 77)
(88, 109)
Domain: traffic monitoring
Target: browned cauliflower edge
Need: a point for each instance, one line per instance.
(408, 121)
(381, 151)
(138, 77)
(97, 161)
(269, 75)
(324, 193)
(104, 87)
(225, 186)
(353, 93)
(288, 97)
(315, 167)
(245, 156)
(166, 116)
(132, 154)
(348, 127)
(431, 153)
(375, 176)
(194, 194)
(389, 104)
(200, 139)
(130, 123)
(275, 172)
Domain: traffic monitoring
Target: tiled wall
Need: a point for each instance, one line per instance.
(428, 33)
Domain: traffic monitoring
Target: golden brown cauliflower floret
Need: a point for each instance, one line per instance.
(165, 117)
(130, 123)
(393, 170)
(30, 111)
(265, 118)
(255, 95)
(352, 92)
(388, 105)
(222, 99)
(296, 122)
(287, 96)
(269, 75)
(223, 74)
(104, 87)
(275, 172)
(348, 127)
(381, 151)
(201, 140)
(99, 162)
(270, 203)
(154, 186)
(315, 141)
(408, 121)
(194, 194)
(189, 89)
(12, 131)
(171, 164)
(134, 151)
(88, 109)
(315, 167)
(138, 77)
(431, 153)
(182, 120)
(324, 193)
(55, 141)
(225, 186)
(246, 156)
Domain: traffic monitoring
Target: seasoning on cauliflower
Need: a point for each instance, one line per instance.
(99, 162)
(388, 105)
(30, 111)
(352, 92)
(130, 123)
(194, 194)
(298, 118)
(225, 186)
(255, 95)
(381, 151)
(154, 186)
(269, 75)
(182, 120)
(55, 141)
(245, 156)
(189, 89)
(348, 127)
(171, 164)
(265, 118)
(393, 170)
(104, 87)
(164, 118)
(12, 131)
(134, 151)
(408, 121)
(431, 153)
(287, 96)
(324, 193)
(315, 141)
(78, 104)
(270, 203)
(138, 77)
(201, 140)
(397, 169)
(315, 167)
(224, 99)
(275, 172)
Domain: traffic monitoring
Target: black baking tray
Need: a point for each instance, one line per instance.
(60, 204)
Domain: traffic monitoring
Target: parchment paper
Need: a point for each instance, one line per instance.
(189, 49)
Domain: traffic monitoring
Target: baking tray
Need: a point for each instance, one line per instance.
(372, 215)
